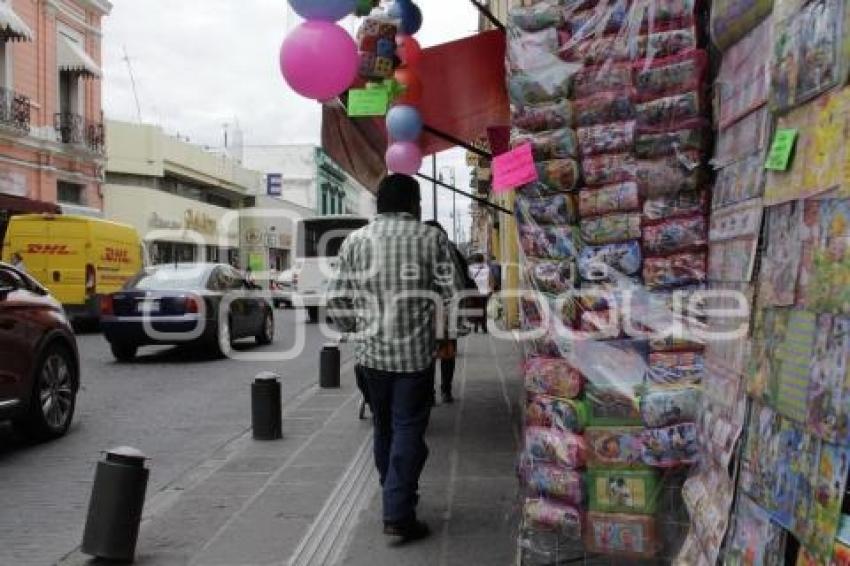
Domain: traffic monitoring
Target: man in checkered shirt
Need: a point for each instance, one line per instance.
(395, 275)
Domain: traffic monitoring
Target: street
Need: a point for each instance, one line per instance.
(176, 405)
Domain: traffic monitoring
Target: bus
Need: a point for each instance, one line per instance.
(317, 243)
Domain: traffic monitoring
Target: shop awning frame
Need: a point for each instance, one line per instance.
(480, 200)
(12, 26)
(485, 11)
(72, 58)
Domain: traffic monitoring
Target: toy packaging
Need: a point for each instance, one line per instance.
(611, 228)
(677, 235)
(551, 515)
(615, 446)
(603, 108)
(556, 483)
(552, 276)
(543, 117)
(558, 174)
(607, 138)
(675, 206)
(554, 242)
(652, 144)
(669, 174)
(554, 209)
(553, 412)
(552, 376)
(623, 197)
(622, 535)
(671, 446)
(669, 112)
(622, 491)
(609, 169)
(596, 262)
(669, 76)
(555, 447)
(557, 144)
(376, 40)
(675, 270)
(590, 81)
(669, 405)
(676, 368)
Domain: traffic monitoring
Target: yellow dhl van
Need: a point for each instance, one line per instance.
(76, 257)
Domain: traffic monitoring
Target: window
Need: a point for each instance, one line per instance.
(9, 280)
(70, 193)
(5, 65)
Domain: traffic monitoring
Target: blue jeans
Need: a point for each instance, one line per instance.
(401, 407)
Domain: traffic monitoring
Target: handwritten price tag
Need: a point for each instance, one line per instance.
(779, 157)
(514, 169)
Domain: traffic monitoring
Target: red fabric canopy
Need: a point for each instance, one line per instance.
(464, 93)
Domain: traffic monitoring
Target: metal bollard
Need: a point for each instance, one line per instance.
(329, 367)
(266, 417)
(115, 507)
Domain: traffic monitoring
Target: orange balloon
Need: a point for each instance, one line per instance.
(409, 50)
(412, 86)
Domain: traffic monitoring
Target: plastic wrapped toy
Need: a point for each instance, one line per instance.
(552, 276)
(552, 376)
(612, 406)
(611, 228)
(545, 84)
(596, 262)
(671, 75)
(545, 514)
(603, 108)
(554, 482)
(554, 209)
(376, 40)
(663, 44)
(622, 535)
(555, 242)
(609, 169)
(669, 405)
(537, 17)
(654, 144)
(557, 144)
(675, 235)
(622, 491)
(558, 174)
(607, 138)
(622, 197)
(676, 368)
(555, 447)
(553, 412)
(614, 446)
(670, 446)
(591, 81)
(675, 206)
(675, 270)
(669, 174)
(671, 112)
(543, 117)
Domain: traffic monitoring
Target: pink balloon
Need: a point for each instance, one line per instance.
(319, 60)
(404, 157)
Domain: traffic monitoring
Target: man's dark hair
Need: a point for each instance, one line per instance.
(399, 193)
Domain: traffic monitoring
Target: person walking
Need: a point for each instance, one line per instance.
(394, 276)
(480, 272)
(446, 344)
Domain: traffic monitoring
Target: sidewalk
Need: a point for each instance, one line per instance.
(313, 497)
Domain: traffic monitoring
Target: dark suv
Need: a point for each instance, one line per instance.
(39, 363)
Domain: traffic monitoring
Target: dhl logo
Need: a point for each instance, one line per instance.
(48, 249)
(115, 255)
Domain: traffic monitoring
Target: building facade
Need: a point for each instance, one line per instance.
(185, 202)
(306, 176)
(51, 124)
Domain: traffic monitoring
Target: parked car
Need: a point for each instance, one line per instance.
(77, 258)
(40, 369)
(183, 304)
(282, 288)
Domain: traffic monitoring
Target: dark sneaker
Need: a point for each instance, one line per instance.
(448, 397)
(408, 532)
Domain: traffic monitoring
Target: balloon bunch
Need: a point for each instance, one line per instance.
(319, 59)
(404, 122)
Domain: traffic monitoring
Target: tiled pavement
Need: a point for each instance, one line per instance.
(312, 498)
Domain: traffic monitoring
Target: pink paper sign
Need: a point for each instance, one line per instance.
(514, 169)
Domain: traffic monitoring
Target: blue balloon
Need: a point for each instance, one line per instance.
(395, 9)
(411, 17)
(404, 123)
(326, 10)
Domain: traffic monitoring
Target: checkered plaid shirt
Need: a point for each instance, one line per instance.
(393, 274)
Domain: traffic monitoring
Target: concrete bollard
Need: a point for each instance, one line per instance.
(329, 361)
(266, 417)
(116, 504)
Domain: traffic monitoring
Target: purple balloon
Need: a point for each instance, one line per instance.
(325, 10)
(404, 157)
(319, 60)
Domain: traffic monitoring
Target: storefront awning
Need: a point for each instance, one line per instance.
(11, 204)
(464, 94)
(12, 26)
(72, 57)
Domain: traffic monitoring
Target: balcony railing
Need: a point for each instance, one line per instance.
(15, 111)
(73, 129)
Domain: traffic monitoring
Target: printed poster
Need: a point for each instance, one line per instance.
(781, 259)
(794, 355)
(825, 272)
(768, 333)
(708, 497)
(755, 539)
(827, 398)
(739, 181)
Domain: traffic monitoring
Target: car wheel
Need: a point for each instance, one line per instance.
(312, 315)
(123, 351)
(266, 335)
(223, 337)
(54, 395)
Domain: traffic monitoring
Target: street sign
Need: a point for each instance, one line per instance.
(274, 184)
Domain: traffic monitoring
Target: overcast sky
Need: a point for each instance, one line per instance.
(200, 64)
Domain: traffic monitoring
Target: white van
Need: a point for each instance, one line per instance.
(317, 243)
